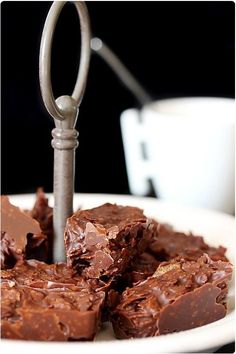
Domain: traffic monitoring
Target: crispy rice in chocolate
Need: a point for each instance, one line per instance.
(100, 242)
(169, 244)
(108, 248)
(48, 302)
(181, 295)
(21, 236)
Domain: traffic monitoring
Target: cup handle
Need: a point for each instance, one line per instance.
(135, 149)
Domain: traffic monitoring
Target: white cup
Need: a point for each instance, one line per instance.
(185, 146)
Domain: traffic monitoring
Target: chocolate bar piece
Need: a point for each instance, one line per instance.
(21, 236)
(170, 244)
(49, 303)
(167, 244)
(179, 296)
(100, 242)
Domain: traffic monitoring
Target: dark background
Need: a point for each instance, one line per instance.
(173, 48)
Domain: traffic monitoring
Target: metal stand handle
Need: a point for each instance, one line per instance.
(125, 76)
(64, 110)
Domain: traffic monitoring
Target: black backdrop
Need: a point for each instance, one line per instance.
(173, 48)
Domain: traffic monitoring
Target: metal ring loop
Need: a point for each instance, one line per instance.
(45, 57)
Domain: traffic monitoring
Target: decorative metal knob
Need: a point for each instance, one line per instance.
(64, 110)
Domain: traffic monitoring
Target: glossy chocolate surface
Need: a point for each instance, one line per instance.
(180, 295)
(21, 236)
(48, 302)
(102, 241)
(173, 284)
(169, 244)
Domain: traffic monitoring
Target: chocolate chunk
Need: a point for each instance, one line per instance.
(32, 271)
(109, 247)
(48, 302)
(181, 295)
(201, 308)
(43, 213)
(140, 268)
(21, 236)
(100, 242)
(170, 244)
(167, 244)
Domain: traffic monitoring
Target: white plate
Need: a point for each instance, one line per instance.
(217, 229)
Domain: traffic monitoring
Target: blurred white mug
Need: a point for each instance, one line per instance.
(185, 146)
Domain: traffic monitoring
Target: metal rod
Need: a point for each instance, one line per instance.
(99, 47)
(64, 143)
(64, 110)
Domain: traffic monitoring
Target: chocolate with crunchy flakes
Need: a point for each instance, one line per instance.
(180, 295)
(170, 244)
(48, 303)
(100, 242)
